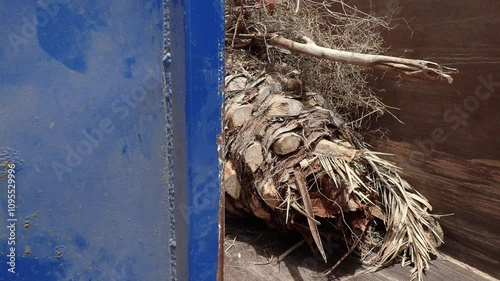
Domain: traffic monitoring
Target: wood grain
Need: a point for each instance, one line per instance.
(461, 174)
(468, 189)
(249, 245)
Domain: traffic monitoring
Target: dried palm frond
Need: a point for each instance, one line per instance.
(406, 212)
(328, 185)
(293, 153)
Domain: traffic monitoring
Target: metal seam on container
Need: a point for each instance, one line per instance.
(169, 159)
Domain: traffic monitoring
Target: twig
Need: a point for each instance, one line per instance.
(426, 70)
(343, 257)
(293, 248)
(236, 28)
(297, 7)
(304, 213)
(270, 260)
(230, 246)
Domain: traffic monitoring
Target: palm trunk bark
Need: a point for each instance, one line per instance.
(289, 161)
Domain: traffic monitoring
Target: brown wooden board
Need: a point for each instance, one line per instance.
(249, 245)
(460, 174)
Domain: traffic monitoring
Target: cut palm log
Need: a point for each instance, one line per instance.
(294, 162)
(295, 165)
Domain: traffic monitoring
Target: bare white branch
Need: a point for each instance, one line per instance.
(422, 69)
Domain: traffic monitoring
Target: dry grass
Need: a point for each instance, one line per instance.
(333, 24)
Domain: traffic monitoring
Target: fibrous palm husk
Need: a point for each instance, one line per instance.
(295, 164)
(292, 152)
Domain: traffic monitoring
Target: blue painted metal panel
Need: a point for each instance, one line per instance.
(194, 62)
(82, 120)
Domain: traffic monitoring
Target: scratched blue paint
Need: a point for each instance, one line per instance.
(105, 210)
(124, 149)
(195, 62)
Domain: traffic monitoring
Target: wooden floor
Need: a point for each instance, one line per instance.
(249, 246)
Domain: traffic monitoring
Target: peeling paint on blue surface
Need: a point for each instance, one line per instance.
(10, 156)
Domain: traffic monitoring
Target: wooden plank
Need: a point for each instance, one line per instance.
(249, 244)
(466, 188)
(461, 174)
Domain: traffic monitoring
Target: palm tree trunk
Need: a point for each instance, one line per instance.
(292, 162)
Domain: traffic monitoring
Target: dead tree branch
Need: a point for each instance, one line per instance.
(422, 69)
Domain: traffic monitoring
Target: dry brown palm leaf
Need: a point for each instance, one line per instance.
(300, 181)
(337, 182)
(293, 155)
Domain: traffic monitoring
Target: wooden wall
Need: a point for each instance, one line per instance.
(449, 146)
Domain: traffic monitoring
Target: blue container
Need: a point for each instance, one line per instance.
(93, 145)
